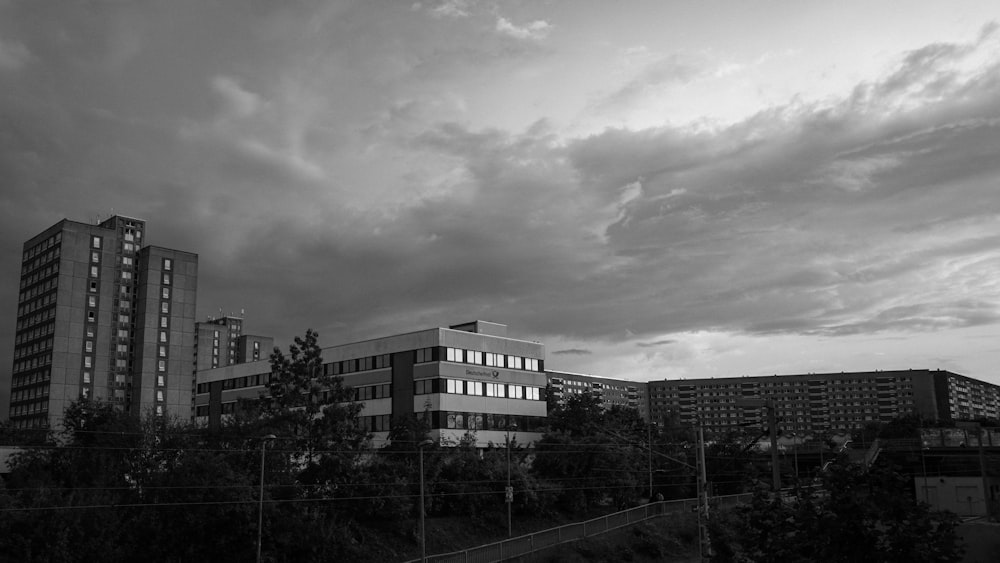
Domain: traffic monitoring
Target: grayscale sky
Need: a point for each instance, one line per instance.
(654, 189)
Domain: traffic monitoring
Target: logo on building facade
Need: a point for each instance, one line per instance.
(483, 372)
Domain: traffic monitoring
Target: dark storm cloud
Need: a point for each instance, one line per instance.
(316, 195)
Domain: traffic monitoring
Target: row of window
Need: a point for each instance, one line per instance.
(42, 360)
(35, 332)
(39, 346)
(357, 364)
(369, 392)
(33, 422)
(36, 290)
(32, 393)
(29, 378)
(42, 246)
(40, 275)
(40, 261)
(478, 388)
(376, 423)
(239, 382)
(490, 359)
(30, 408)
(484, 421)
(36, 304)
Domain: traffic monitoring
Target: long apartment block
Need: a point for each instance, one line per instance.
(823, 401)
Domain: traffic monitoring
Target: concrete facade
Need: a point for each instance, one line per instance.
(90, 296)
(823, 402)
(611, 392)
(467, 378)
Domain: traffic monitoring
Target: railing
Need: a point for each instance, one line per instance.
(537, 541)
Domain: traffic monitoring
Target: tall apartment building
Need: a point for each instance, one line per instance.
(824, 401)
(101, 316)
(610, 392)
(220, 342)
(465, 378)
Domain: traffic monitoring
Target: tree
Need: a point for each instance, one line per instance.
(858, 516)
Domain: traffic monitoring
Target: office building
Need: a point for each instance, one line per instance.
(610, 392)
(468, 378)
(102, 316)
(822, 402)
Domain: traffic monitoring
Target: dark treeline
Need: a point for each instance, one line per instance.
(109, 487)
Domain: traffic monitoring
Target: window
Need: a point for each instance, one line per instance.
(424, 355)
(164, 307)
(454, 386)
(167, 264)
(161, 365)
(163, 322)
(474, 388)
(531, 364)
(166, 279)
(455, 355)
(515, 391)
(93, 271)
(163, 351)
(95, 257)
(163, 336)
(91, 316)
(93, 287)
(159, 396)
(126, 275)
(128, 246)
(474, 357)
(90, 332)
(95, 242)
(91, 301)
(86, 377)
(514, 362)
(533, 393)
(126, 261)
(88, 346)
(88, 362)
(166, 293)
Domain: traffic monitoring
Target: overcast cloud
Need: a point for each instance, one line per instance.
(647, 207)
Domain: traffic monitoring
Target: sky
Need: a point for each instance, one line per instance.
(653, 189)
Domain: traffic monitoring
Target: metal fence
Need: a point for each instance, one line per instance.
(530, 543)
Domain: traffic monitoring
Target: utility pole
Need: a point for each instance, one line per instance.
(704, 542)
(772, 428)
(649, 440)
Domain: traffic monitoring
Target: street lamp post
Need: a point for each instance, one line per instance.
(423, 533)
(509, 491)
(795, 452)
(260, 500)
